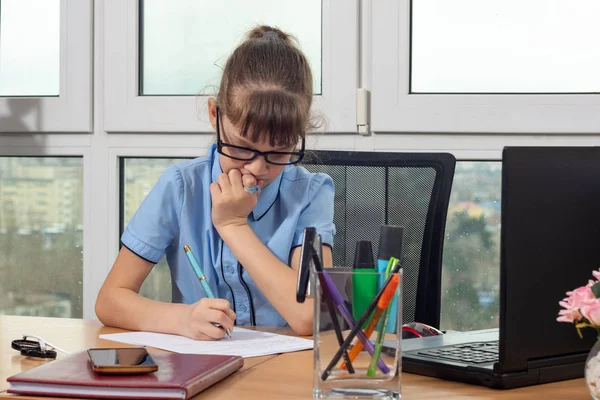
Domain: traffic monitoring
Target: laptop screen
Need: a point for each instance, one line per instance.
(550, 243)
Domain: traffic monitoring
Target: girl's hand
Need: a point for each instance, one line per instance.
(231, 204)
(201, 317)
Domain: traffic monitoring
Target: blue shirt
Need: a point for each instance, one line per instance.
(177, 211)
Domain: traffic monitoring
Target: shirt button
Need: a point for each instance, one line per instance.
(243, 308)
(229, 269)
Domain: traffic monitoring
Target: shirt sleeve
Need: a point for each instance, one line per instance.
(156, 222)
(319, 211)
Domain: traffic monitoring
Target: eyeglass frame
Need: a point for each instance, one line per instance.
(257, 153)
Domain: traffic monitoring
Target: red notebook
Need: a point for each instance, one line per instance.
(179, 376)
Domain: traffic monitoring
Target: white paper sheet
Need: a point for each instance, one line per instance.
(244, 342)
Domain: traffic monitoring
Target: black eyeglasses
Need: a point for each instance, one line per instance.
(247, 154)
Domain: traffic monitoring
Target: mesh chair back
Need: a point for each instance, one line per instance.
(407, 189)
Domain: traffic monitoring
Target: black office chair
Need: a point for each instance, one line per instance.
(407, 189)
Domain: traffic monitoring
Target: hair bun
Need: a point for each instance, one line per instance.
(267, 32)
(270, 35)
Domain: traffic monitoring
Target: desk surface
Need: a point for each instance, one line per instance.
(68, 334)
(286, 376)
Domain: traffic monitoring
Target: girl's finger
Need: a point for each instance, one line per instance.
(218, 304)
(231, 314)
(224, 182)
(248, 180)
(235, 177)
(215, 190)
(219, 317)
(212, 331)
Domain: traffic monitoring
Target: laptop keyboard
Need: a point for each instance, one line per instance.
(468, 353)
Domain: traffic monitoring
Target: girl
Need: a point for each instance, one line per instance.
(246, 242)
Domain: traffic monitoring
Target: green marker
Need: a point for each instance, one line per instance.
(364, 279)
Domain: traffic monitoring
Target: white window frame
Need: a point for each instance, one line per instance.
(396, 110)
(71, 110)
(127, 111)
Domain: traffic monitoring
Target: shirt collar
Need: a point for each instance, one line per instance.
(267, 196)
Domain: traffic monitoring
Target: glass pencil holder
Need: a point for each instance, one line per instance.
(357, 353)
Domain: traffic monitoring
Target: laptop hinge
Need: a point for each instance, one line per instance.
(497, 368)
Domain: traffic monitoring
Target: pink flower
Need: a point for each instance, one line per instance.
(591, 311)
(568, 316)
(582, 295)
(572, 304)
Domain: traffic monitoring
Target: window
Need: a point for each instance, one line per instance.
(471, 264)
(418, 103)
(511, 52)
(29, 56)
(41, 242)
(45, 65)
(498, 66)
(137, 176)
(167, 56)
(185, 44)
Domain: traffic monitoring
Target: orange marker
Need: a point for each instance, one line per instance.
(382, 304)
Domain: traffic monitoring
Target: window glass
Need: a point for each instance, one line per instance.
(139, 176)
(41, 242)
(471, 264)
(185, 43)
(29, 47)
(505, 46)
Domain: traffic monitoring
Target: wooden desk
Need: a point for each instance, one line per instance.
(289, 377)
(286, 376)
(69, 334)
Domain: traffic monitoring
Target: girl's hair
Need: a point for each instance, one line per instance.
(266, 89)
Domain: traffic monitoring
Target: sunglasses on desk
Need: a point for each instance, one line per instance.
(36, 347)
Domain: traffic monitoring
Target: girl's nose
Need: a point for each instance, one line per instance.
(258, 166)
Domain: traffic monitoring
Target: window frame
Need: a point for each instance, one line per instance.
(395, 109)
(127, 111)
(71, 110)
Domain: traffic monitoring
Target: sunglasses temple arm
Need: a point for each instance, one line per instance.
(44, 343)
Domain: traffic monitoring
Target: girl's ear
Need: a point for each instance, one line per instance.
(212, 111)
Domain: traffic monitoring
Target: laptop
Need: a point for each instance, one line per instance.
(550, 243)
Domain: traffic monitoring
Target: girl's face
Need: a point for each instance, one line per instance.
(263, 171)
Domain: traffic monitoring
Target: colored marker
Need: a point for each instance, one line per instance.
(384, 321)
(382, 305)
(390, 245)
(364, 278)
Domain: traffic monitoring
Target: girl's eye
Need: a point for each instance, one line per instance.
(279, 157)
(241, 152)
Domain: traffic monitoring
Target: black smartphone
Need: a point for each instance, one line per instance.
(306, 253)
(121, 361)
